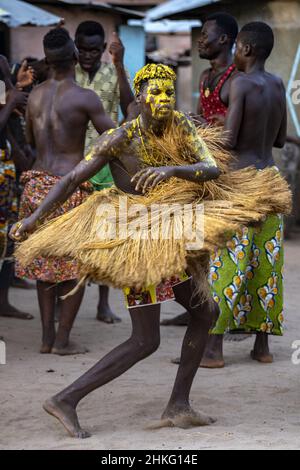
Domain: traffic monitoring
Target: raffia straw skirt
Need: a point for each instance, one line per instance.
(139, 249)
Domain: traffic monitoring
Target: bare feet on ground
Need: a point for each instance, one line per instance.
(261, 352)
(18, 283)
(206, 363)
(67, 415)
(12, 312)
(107, 316)
(212, 363)
(70, 349)
(179, 320)
(265, 358)
(184, 418)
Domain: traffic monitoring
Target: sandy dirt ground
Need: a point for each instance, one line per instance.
(257, 406)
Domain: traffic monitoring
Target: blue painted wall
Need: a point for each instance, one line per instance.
(133, 38)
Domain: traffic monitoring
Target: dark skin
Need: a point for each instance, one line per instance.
(91, 49)
(215, 46)
(122, 150)
(256, 118)
(55, 108)
(256, 122)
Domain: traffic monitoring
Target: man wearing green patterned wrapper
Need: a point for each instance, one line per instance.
(246, 278)
(110, 82)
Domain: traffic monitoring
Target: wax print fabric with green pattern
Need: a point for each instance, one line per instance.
(247, 280)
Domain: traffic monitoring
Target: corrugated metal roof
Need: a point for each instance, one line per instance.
(172, 7)
(166, 26)
(96, 4)
(16, 13)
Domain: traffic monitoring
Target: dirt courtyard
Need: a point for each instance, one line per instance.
(256, 406)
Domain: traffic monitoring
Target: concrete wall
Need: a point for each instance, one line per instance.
(283, 16)
(184, 89)
(28, 41)
(174, 43)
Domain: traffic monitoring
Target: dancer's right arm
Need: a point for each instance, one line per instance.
(100, 155)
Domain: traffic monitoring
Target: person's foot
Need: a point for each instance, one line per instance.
(212, 363)
(67, 415)
(181, 417)
(206, 363)
(179, 320)
(265, 358)
(46, 348)
(106, 315)
(69, 350)
(213, 354)
(48, 340)
(12, 312)
(18, 283)
(176, 360)
(261, 352)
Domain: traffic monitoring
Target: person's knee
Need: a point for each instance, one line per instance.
(146, 345)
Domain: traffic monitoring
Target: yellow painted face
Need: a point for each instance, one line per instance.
(159, 95)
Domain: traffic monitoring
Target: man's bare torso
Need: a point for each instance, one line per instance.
(261, 120)
(128, 156)
(59, 122)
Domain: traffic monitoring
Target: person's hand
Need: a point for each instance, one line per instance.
(25, 76)
(61, 23)
(17, 98)
(150, 177)
(116, 49)
(20, 230)
(218, 120)
(197, 119)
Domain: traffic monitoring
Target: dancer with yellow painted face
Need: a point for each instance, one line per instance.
(157, 158)
(123, 149)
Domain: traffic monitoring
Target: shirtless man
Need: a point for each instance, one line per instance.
(154, 86)
(58, 113)
(256, 122)
(215, 44)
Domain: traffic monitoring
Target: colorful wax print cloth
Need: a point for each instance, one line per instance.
(37, 185)
(8, 199)
(246, 279)
(154, 294)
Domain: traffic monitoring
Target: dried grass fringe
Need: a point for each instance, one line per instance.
(236, 198)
